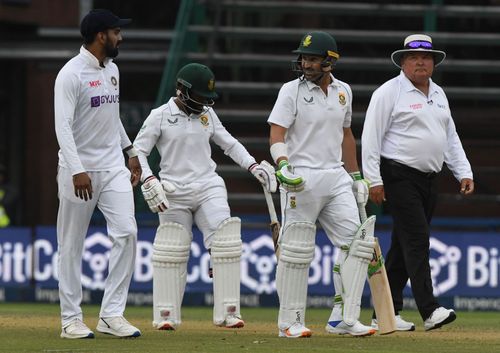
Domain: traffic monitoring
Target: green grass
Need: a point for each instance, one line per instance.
(30, 328)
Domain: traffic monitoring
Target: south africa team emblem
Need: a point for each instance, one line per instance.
(293, 202)
(342, 98)
(204, 120)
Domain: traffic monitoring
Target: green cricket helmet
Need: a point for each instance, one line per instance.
(199, 79)
(318, 43)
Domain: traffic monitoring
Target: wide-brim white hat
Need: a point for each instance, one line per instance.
(418, 43)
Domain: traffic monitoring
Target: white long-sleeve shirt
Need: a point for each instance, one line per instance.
(184, 144)
(314, 121)
(404, 125)
(89, 131)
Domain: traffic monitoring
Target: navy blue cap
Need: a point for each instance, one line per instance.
(99, 20)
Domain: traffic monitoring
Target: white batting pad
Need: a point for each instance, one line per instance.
(297, 252)
(353, 270)
(170, 256)
(338, 303)
(226, 254)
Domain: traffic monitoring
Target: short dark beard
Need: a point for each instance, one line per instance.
(111, 52)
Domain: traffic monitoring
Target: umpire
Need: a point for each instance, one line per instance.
(407, 135)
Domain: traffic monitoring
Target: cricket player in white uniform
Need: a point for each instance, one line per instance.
(92, 173)
(310, 130)
(189, 190)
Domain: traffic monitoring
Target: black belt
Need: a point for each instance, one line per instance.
(393, 163)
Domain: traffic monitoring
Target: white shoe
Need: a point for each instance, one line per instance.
(401, 325)
(297, 330)
(439, 317)
(76, 329)
(117, 326)
(165, 326)
(232, 321)
(341, 328)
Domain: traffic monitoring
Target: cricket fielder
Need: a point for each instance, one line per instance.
(314, 148)
(92, 173)
(189, 190)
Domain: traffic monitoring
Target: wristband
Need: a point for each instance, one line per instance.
(252, 166)
(283, 163)
(131, 152)
(278, 150)
(356, 175)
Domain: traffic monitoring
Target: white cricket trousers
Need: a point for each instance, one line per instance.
(327, 198)
(112, 194)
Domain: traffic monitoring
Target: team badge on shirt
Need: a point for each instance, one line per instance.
(293, 202)
(114, 81)
(204, 120)
(342, 98)
(310, 100)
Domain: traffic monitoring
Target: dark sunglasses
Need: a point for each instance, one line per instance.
(419, 44)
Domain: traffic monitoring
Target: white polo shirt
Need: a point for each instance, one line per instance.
(184, 144)
(89, 131)
(314, 122)
(404, 125)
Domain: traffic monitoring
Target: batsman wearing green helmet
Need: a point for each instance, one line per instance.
(313, 145)
(189, 191)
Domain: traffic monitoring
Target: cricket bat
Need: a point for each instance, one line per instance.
(379, 287)
(275, 225)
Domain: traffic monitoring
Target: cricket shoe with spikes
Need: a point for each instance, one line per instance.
(76, 329)
(439, 317)
(232, 321)
(401, 324)
(297, 330)
(117, 326)
(165, 326)
(341, 328)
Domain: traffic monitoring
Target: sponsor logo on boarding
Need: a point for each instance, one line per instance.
(96, 101)
(416, 106)
(444, 265)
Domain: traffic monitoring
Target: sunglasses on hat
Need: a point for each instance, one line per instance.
(419, 44)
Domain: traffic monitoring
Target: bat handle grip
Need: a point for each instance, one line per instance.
(362, 212)
(270, 205)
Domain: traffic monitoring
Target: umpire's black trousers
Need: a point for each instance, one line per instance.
(411, 197)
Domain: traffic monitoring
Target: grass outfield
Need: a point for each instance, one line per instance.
(30, 328)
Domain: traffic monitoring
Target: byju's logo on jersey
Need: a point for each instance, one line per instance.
(96, 101)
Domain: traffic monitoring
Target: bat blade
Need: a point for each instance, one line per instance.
(275, 225)
(381, 293)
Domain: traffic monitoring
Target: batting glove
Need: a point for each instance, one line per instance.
(154, 194)
(265, 174)
(360, 188)
(288, 180)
